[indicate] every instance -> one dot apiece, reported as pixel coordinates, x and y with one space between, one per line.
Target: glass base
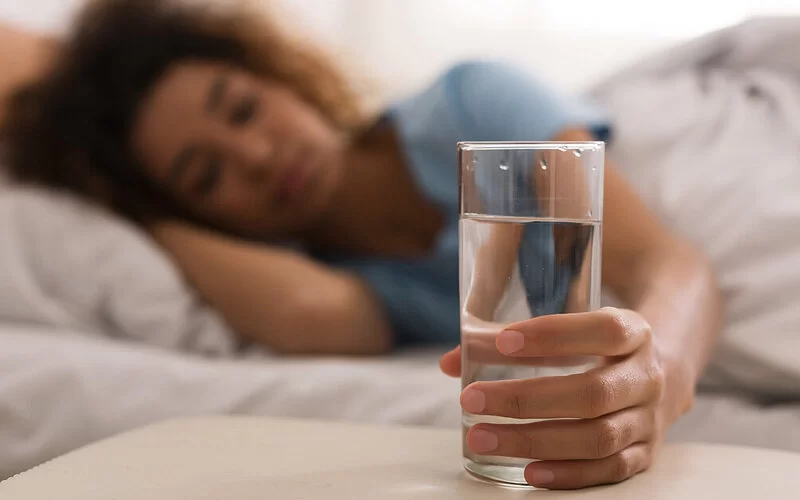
508 475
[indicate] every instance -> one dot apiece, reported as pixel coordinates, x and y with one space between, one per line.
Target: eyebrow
216 92
180 164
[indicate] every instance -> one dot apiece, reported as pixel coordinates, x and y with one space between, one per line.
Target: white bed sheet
60 390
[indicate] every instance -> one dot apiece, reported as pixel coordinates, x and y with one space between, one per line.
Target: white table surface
255 458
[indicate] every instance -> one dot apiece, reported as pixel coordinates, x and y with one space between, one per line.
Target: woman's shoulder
484 71
496 100
459 94
492 77
486 100
467 77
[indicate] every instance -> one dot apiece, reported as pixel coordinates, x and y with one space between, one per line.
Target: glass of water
530 241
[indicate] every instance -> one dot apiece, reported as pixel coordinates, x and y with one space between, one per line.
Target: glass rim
529 145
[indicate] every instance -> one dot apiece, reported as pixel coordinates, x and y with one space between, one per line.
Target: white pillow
43 16
71 265
709 134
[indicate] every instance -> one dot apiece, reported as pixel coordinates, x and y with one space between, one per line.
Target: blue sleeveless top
475 101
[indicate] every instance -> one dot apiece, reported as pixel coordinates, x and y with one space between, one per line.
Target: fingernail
509 341
481 441
540 477
473 401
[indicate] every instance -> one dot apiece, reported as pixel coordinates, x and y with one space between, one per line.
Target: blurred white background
401 43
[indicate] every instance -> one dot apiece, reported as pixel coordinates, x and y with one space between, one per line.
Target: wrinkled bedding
61 390
66 264
100 334
709 135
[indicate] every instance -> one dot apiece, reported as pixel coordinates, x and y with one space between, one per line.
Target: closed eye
244 111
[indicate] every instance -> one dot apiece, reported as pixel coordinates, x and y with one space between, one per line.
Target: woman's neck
379 209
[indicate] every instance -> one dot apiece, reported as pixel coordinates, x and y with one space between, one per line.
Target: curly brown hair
70 129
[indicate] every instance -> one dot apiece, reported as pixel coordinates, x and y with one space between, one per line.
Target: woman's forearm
277 297
665 280
680 300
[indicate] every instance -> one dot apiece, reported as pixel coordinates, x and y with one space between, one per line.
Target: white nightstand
256 458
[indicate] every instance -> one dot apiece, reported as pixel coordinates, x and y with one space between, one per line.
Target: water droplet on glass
594 168
503 166
543 163
578 152
562 148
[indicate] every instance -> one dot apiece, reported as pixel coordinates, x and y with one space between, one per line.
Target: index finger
605 332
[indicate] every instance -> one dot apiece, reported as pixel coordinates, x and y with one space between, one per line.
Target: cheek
309 126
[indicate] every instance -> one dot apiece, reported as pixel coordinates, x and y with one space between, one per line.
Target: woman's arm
24 57
277 297
661 277
666 280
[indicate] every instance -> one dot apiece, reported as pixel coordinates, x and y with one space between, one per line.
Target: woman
218 134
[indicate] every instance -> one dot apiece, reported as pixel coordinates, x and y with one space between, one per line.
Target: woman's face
241 152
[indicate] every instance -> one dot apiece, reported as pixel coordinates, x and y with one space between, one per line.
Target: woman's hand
622 408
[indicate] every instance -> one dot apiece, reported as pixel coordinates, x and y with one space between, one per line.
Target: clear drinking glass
530 239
